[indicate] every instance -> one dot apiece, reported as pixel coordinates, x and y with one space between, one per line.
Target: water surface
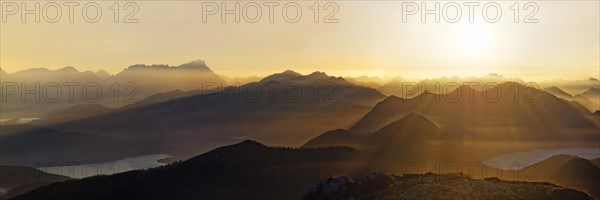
107 168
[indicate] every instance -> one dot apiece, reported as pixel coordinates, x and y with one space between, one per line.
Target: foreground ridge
435 186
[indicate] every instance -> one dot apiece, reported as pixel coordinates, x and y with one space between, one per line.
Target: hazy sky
369 39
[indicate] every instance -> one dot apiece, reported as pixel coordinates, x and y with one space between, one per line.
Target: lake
107 168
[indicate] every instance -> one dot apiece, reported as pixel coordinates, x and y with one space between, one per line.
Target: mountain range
341 126
196 122
406 88
515 120
249 168
590 99
58 89
412 139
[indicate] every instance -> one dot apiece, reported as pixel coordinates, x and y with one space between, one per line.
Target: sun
473 40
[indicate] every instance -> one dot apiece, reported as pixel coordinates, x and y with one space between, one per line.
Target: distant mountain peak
285 75
318 74
413 124
196 64
292 76
143 67
494 75
102 73
290 72
68 69
414 120
37 69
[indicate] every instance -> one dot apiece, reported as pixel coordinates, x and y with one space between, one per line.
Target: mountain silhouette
590 99
193 65
547 168
283 76
51 95
520 114
579 173
128 86
409 89
187 125
241 171
152 79
566 170
103 74
247 169
411 128
412 139
574 86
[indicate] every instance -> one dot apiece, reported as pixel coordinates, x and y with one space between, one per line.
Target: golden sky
370 38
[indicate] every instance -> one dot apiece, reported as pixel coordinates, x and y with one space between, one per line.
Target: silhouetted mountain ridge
239 171
481 116
195 122
193 65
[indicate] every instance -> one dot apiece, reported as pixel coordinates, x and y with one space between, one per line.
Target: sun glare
473 39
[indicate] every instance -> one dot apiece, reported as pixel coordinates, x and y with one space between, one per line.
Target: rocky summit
434 186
